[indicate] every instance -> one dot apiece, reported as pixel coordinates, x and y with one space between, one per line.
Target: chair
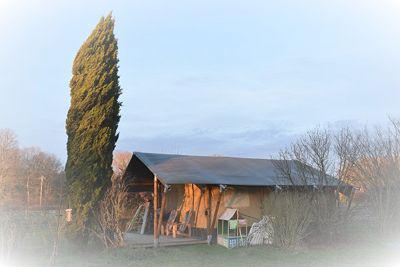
185 226
167 227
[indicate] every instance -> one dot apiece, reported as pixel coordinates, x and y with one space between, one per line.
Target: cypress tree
91 125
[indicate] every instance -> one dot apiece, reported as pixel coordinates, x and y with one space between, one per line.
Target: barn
202 188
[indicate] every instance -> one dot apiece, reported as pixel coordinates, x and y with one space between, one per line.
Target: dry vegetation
291 216
114 208
31 184
29 177
117 207
369 160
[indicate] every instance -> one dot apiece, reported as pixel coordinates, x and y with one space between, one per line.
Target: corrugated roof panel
183 169
228 214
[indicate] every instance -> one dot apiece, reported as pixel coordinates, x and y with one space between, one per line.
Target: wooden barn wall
248 200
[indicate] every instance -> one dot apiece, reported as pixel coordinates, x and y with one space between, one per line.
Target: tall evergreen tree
92 123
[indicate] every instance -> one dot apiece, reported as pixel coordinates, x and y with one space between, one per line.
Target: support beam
198 205
155 206
216 210
41 190
209 233
163 203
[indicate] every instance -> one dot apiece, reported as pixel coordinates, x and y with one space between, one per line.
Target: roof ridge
205 156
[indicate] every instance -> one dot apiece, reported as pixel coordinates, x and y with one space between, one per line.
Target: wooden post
163 202
41 190
209 233
237 222
216 210
27 196
198 206
155 206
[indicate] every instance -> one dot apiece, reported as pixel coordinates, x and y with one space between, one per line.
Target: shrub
291 214
112 211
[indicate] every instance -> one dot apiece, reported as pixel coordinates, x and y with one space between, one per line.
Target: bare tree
120 162
22 172
35 165
21 185
367 159
377 171
113 209
116 207
317 162
346 151
9 157
291 215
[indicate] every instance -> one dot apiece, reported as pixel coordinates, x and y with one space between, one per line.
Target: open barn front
189 213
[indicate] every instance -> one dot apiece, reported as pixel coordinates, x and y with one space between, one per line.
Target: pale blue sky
236 78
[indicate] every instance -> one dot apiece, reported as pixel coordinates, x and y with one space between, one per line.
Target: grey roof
183 169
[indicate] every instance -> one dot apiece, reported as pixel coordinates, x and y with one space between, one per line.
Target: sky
236 78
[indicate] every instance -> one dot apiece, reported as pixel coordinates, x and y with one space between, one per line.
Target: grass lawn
362 247
204 255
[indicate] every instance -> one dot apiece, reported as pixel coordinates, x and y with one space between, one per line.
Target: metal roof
183 169
228 214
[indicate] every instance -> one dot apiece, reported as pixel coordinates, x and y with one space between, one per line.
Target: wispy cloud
249 143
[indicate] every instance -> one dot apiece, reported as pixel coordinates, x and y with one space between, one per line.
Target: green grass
204 255
359 247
